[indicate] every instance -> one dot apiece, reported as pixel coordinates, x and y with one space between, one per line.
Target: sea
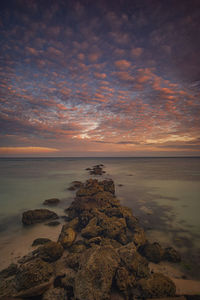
164 193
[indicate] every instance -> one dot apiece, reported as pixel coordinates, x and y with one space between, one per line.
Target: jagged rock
9 271
40 241
78 247
124 280
95 240
84 218
91 230
33 278
94 278
67 236
73 260
37 215
97 170
139 236
112 227
108 185
110 242
172 255
50 252
7 288
153 252
52 201
156 286
55 294
67 281
133 261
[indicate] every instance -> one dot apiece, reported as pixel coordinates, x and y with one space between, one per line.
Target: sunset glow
81 78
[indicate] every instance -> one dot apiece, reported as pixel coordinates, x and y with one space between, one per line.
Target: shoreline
184 286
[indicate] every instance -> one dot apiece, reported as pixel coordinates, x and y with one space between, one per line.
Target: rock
72 260
7 288
40 241
110 242
172 255
95 240
74 224
156 286
91 230
139 236
94 277
112 227
89 190
33 278
53 223
9 271
71 188
67 281
133 261
75 185
153 252
37 215
55 294
124 280
67 236
78 247
108 185
97 170
50 252
52 201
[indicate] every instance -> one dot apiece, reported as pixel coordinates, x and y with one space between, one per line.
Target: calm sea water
163 192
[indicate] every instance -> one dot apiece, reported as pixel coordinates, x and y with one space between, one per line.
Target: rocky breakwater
101 253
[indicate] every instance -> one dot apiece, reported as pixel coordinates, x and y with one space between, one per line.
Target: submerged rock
95 275
53 223
52 201
37 215
153 252
9 271
75 185
40 241
172 255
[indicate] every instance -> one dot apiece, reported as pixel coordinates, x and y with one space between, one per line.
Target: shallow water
163 193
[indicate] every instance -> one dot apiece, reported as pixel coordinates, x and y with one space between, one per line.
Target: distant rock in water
52 201
40 241
75 185
37 215
96 170
53 223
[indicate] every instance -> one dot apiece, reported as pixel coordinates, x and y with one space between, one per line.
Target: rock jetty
101 253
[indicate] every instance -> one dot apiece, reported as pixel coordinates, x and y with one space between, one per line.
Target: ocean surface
164 193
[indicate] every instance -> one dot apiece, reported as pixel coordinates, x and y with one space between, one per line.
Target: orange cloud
26 150
100 75
122 64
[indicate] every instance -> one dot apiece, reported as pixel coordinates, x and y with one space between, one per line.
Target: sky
100 78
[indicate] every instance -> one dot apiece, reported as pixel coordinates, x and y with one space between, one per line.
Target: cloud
100 75
136 52
26 150
122 64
